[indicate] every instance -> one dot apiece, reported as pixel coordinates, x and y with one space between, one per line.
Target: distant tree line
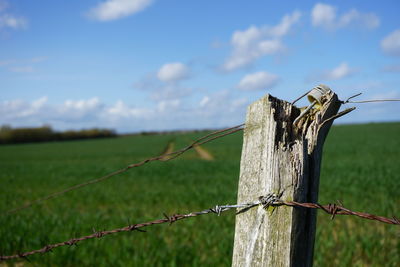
10 135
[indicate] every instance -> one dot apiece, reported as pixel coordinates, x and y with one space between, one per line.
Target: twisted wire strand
265 201
335 209
166 157
375 100
368 101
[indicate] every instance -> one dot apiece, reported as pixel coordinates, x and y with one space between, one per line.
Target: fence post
280 158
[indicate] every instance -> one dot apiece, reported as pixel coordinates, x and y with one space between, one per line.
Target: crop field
361 168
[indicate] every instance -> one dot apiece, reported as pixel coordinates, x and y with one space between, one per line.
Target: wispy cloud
391 43
256 42
324 16
116 9
170 92
10 21
340 72
13 22
21 65
261 80
166 83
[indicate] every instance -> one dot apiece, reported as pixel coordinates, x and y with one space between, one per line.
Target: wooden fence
283 158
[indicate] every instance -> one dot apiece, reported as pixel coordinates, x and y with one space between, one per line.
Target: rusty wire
335 209
265 201
166 157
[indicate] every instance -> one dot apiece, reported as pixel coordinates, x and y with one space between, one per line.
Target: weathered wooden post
279 157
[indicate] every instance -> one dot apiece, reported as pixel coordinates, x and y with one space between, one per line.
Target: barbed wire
165 157
266 201
368 101
335 209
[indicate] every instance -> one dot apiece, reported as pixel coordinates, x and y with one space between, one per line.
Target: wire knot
269 200
217 209
71 242
171 219
47 248
98 234
134 227
333 210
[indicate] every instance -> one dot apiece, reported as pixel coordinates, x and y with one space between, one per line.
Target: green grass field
361 167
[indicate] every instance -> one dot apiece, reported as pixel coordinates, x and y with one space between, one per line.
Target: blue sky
136 65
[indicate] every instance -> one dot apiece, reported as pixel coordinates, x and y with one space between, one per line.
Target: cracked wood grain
282 159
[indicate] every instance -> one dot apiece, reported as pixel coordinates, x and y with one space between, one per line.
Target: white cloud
77 110
283 28
116 9
204 101
39 103
17 109
13 22
391 43
160 90
168 92
337 73
81 105
324 15
173 72
255 42
168 105
220 110
164 86
8 20
70 114
122 110
366 20
340 72
261 80
12 109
